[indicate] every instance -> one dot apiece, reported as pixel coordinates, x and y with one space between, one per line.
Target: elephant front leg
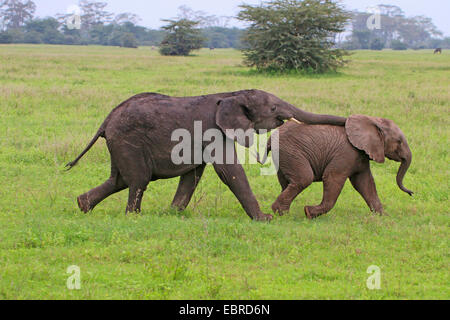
365 184
234 177
186 188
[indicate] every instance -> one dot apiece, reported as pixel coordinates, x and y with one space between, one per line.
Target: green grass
52 101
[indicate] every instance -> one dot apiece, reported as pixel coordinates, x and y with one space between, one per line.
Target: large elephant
139 131
332 154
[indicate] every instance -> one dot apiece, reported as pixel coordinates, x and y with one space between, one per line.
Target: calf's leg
364 183
332 187
293 183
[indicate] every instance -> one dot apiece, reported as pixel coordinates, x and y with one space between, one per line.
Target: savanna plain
54 98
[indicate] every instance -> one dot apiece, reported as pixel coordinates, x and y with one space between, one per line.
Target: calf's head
380 138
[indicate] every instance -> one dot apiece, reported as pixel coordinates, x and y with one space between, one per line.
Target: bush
293 35
419 46
398 45
349 45
129 41
6 37
33 37
182 37
377 44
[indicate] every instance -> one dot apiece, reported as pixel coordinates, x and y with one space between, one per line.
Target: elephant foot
178 208
277 208
83 203
263 217
310 215
379 211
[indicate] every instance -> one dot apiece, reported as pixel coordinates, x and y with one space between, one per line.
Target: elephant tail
100 133
266 154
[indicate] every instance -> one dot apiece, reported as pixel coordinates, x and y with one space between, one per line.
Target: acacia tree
15 13
94 13
292 34
127 17
182 36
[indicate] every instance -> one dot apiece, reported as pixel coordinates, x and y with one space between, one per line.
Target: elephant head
380 138
259 110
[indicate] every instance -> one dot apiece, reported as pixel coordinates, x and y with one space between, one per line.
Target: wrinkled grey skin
332 154
138 135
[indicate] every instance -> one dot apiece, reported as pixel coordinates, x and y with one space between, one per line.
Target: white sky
152 11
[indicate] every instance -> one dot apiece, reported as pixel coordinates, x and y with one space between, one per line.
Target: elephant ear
365 134
232 117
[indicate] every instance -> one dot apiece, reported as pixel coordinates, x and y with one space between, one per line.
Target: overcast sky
152 11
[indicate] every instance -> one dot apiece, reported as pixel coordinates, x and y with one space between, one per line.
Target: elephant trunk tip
400 185
411 193
401 174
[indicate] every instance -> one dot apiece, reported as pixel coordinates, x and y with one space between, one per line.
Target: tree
182 37
201 17
16 12
218 37
361 38
100 34
129 41
127 17
293 35
415 32
94 13
43 30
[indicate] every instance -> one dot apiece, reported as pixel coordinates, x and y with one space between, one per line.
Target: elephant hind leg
137 185
135 199
332 187
88 201
135 171
293 185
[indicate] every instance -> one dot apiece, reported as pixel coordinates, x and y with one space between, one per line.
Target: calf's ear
232 117
365 134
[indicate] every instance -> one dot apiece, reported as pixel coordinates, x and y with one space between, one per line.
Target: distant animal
139 136
211 48
312 153
438 50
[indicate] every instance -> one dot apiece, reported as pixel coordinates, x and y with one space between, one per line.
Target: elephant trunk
311 118
406 162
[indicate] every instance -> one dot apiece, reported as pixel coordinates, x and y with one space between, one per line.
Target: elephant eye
274 108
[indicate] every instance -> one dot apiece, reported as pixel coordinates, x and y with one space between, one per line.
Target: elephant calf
311 153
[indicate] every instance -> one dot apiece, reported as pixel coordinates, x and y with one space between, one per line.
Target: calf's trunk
401 173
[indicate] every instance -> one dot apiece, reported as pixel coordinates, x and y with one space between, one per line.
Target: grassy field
52 101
